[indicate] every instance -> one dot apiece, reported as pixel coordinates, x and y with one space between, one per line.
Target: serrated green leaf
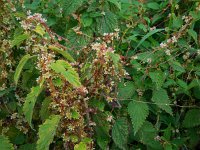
40 30
117 3
161 99
147 134
107 23
126 90
47 132
44 111
62 52
80 146
20 67
102 129
78 41
30 103
70 6
120 132
138 112
192 118
193 34
158 78
65 69
150 33
153 5
27 147
5 143
177 66
19 39
115 58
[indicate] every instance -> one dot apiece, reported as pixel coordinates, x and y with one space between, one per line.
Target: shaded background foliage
157 104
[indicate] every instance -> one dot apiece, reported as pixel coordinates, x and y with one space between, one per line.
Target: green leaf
107 23
147 134
62 52
193 34
44 112
117 3
153 5
19 39
192 118
120 132
27 147
138 112
161 99
40 30
80 146
115 58
70 6
158 78
30 103
86 20
102 129
70 74
47 131
150 33
126 90
177 66
20 67
5 143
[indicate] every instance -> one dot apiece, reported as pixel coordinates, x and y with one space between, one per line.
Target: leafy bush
99 74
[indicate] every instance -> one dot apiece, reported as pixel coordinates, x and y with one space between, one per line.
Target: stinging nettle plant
99 74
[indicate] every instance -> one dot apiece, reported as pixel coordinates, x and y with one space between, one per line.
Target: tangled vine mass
99 74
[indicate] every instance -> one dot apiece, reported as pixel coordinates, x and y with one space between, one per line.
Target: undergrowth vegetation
99 74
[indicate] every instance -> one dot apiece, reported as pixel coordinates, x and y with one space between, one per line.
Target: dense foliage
99 74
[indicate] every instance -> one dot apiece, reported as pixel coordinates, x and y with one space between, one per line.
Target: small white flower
163 45
153 28
109 118
174 40
198 52
103 13
28 12
149 60
13 9
167 52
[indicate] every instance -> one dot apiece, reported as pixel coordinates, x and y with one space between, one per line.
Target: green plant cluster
99 74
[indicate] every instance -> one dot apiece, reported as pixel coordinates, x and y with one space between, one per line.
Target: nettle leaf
79 40
126 90
40 30
147 134
138 112
65 69
44 112
47 132
107 23
5 143
65 54
19 39
153 5
80 146
117 3
177 66
120 132
115 58
192 118
30 103
161 99
102 129
70 6
157 77
20 67
193 34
